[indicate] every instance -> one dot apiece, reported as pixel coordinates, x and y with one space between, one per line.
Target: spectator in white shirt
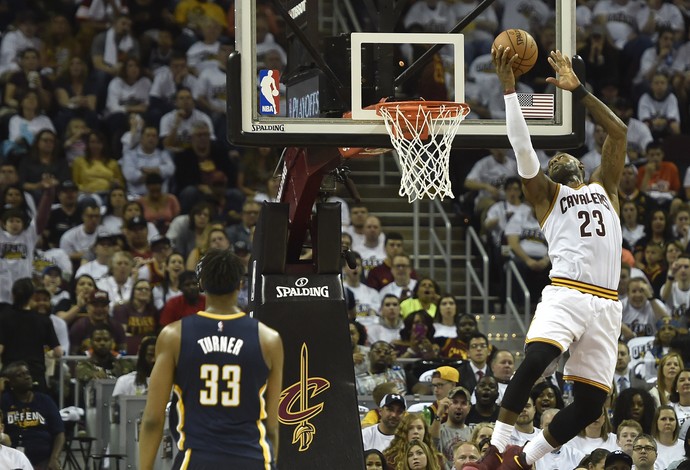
166 81
210 91
596 435
358 216
389 323
642 310
11 458
108 49
391 409
403 284
639 135
119 283
488 176
372 248
434 16
366 298
144 160
627 431
77 241
676 289
659 108
103 249
524 426
15 41
665 430
202 54
128 93
644 452
176 126
137 381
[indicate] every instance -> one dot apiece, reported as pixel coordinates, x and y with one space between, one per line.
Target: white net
423 139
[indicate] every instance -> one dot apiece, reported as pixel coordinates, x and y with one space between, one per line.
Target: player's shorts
587 325
196 460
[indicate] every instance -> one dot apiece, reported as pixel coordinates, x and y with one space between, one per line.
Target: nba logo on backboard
269 92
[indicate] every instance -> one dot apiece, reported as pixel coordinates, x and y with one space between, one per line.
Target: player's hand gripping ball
521 43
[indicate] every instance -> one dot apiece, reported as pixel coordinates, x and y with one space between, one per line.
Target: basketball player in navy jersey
579 311
225 370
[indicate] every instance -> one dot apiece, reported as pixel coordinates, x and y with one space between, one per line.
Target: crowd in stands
116 177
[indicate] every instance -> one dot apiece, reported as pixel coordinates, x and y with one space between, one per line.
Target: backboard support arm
303 172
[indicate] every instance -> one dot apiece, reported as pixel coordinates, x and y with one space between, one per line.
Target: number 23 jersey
583 232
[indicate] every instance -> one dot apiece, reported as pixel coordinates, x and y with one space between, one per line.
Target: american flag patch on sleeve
536 105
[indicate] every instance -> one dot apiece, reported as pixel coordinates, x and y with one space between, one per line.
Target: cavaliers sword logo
294 408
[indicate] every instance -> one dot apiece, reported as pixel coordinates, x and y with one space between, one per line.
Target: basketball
522 43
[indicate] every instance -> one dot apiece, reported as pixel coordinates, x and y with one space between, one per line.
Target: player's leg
587 405
538 356
590 367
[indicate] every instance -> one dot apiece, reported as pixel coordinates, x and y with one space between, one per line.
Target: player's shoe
491 460
514 459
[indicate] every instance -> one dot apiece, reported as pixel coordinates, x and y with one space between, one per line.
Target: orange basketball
522 43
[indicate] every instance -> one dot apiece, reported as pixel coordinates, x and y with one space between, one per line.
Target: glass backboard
307 73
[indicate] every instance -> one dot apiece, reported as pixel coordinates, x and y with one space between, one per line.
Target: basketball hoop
422 133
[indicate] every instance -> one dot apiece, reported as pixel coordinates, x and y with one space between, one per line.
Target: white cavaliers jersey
585 241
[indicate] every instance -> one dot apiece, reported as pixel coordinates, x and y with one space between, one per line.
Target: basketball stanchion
422 133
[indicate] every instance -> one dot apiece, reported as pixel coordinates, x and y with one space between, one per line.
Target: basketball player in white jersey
580 310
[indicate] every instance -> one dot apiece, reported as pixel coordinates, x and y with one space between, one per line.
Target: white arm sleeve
518 134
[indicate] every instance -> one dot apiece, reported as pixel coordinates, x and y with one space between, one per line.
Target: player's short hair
645 436
101 326
512 180
220 272
22 291
10 369
186 276
394 236
655 144
382 389
29 50
496 353
182 89
15 213
463 316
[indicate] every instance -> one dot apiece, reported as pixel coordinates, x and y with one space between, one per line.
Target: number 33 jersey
220 382
584 235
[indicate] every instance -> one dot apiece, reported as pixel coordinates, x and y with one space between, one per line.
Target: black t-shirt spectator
59 222
473 417
33 425
24 335
188 170
20 80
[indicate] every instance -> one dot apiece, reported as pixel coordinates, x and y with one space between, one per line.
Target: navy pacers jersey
218 394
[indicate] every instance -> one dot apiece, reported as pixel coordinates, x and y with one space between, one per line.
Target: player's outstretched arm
160 385
272 349
538 187
613 150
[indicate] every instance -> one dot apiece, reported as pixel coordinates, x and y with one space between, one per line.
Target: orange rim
411 108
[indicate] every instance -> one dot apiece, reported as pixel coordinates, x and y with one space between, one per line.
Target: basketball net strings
424 163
